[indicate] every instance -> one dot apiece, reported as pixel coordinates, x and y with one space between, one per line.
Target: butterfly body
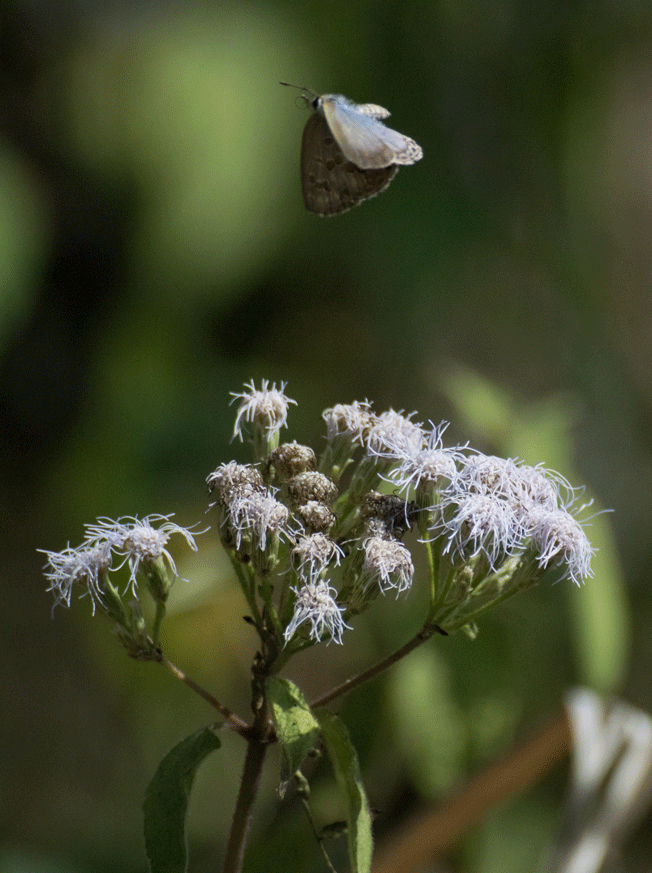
348 155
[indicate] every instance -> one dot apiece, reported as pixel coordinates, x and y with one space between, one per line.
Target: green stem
433 570
472 616
436 607
158 620
247 583
267 594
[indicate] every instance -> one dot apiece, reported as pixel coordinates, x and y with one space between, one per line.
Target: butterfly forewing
363 138
357 135
332 184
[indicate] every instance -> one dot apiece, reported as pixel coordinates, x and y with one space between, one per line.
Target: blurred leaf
430 729
189 108
296 726
347 772
166 802
21 240
602 615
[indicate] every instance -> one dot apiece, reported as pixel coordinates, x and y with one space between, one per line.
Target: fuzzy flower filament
266 412
144 548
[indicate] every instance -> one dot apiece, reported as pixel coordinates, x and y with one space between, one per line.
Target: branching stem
424 634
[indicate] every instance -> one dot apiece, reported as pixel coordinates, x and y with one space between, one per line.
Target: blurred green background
155 254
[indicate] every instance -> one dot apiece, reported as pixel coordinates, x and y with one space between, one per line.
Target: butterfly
347 154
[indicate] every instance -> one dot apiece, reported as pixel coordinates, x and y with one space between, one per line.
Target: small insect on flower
347 154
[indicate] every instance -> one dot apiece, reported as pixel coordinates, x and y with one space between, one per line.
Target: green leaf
296 727
166 802
347 771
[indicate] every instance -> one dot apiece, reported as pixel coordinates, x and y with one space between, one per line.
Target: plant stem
424 634
253 765
233 721
158 620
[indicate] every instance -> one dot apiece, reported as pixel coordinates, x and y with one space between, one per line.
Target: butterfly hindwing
330 182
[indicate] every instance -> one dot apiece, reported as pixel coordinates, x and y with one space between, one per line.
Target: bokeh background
155 255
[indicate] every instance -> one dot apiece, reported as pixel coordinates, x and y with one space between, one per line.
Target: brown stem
253 765
424 634
233 721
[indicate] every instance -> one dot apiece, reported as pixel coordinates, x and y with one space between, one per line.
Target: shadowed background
155 254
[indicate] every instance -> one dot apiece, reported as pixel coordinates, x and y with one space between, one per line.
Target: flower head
259 514
426 467
314 553
266 409
290 459
392 434
388 564
234 479
141 544
352 420
483 524
315 604
84 566
559 539
522 486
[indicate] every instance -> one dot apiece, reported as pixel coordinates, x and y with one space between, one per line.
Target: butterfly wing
363 138
373 110
330 183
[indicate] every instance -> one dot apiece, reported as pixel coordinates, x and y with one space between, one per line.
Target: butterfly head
312 100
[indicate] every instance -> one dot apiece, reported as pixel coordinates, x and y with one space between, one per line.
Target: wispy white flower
232 479
392 435
82 566
426 466
352 420
267 408
258 514
314 553
522 486
538 487
139 541
482 523
315 604
388 564
560 539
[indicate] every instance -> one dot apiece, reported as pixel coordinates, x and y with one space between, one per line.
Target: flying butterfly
347 154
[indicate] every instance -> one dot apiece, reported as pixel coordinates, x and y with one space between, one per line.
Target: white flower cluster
108 546
480 509
490 526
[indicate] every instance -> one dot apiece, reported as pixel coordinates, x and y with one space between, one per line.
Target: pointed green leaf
166 802
347 771
296 727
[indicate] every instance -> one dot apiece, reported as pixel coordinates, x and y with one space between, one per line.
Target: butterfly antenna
300 88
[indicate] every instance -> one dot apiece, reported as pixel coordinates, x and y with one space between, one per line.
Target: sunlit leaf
296 726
